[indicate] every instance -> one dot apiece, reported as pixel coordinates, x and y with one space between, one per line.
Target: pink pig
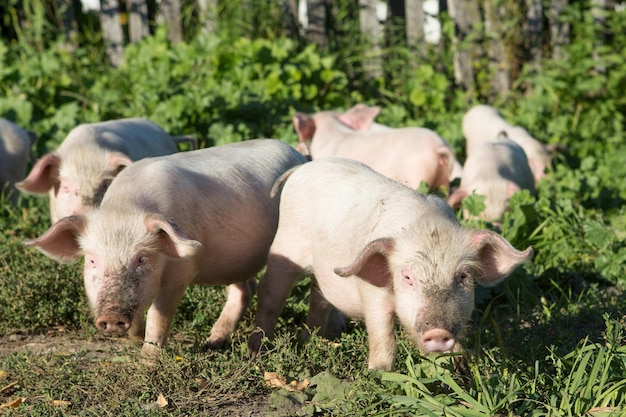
495 169
483 123
408 155
379 251
79 172
15 144
198 217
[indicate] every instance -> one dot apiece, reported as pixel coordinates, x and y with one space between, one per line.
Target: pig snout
437 340
113 323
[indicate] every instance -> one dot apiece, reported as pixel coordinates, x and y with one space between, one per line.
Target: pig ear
43 176
445 158
60 242
497 256
359 117
305 126
176 243
118 161
457 197
371 265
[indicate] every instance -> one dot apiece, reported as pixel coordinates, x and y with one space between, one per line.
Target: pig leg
161 312
319 308
160 316
322 315
379 323
137 331
237 300
273 291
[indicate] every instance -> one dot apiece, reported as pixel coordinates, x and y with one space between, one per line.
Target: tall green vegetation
546 342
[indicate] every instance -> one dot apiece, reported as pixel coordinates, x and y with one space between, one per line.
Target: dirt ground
58 341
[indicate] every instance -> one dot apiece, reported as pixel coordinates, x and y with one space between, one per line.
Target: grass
562 355
547 342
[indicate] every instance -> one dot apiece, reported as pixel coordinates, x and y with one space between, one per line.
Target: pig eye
408 278
461 277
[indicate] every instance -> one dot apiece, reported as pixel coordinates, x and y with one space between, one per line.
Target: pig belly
343 293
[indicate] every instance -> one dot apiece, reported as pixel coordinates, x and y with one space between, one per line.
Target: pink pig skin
408 155
483 123
15 144
198 217
379 251
496 169
78 173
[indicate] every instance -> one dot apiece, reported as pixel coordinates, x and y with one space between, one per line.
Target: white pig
15 144
198 217
483 123
78 173
378 251
408 155
496 169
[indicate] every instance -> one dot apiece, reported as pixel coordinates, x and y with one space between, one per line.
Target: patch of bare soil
97 347
57 341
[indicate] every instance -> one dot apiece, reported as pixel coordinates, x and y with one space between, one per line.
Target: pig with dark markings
198 217
496 169
408 155
378 251
15 145
78 173
483 123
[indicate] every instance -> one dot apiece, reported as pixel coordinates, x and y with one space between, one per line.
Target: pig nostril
113 323
438 340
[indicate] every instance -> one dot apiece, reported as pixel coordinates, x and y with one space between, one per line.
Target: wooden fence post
465 15
137 20
112 31
372 31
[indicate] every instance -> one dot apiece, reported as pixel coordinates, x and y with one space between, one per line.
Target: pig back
341 197
134 137
218 196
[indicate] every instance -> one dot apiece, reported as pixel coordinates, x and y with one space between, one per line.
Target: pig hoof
150 350
255 342
216 343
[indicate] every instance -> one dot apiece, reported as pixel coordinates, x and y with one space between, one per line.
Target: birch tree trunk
69 24
559 31
465 15
372 32
414 11
290 17
499 65
112 31
169 14
316 30
138 26
598 11
534 32
208 12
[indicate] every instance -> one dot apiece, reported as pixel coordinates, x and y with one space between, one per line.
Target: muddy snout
437 340
113 323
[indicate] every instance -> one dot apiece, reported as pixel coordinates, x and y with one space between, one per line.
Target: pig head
199 217
123 265
483 123
378 252
496 169
78 173
408 155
